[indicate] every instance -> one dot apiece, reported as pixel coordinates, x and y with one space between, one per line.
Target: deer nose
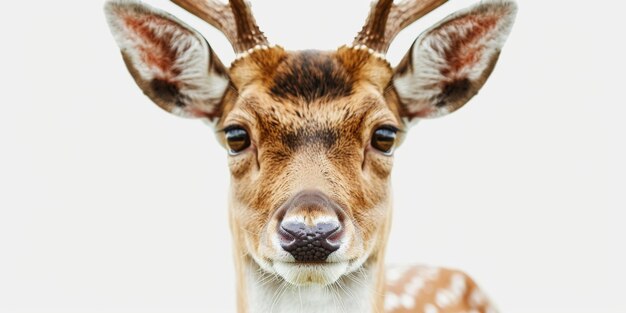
310 244
310 226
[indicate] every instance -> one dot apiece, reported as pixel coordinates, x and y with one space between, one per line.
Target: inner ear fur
451 61
172 63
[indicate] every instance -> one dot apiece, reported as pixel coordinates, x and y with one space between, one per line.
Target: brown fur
302 138
311 75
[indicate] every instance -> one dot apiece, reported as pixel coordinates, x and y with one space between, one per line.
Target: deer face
310 135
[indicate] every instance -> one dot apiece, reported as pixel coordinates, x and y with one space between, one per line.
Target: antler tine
234 20
387 19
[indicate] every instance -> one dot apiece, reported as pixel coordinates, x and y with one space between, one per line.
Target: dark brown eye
384 139
237 139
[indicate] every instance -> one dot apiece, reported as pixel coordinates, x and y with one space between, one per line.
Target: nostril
335 235
287 234
326 229
310 243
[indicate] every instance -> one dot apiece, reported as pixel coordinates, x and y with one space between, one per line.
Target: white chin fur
311 274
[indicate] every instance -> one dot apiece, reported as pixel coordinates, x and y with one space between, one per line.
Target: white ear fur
449 63
171 62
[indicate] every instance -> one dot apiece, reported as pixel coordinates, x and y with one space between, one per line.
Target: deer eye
384 139
237 139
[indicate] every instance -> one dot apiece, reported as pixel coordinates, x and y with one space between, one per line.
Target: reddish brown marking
463 50
156 50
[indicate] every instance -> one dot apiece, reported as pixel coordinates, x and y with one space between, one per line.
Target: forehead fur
310 75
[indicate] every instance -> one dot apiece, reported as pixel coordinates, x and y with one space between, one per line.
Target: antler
235 20
386 20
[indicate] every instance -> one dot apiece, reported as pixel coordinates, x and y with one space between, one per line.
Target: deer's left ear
450 62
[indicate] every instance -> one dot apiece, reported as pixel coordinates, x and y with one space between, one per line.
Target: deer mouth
311 273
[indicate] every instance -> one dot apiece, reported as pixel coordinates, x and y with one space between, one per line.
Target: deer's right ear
171 63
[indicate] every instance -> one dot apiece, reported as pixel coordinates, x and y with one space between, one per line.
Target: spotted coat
424 289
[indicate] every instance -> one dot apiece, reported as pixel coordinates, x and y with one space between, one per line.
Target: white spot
391 301
407 301
458 285
429 273
452 295
414 286
395 273
444 298
477 298
429 308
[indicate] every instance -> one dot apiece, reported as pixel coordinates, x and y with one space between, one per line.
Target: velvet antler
387 19
234 19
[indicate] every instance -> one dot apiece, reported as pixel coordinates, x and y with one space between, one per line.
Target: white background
108 204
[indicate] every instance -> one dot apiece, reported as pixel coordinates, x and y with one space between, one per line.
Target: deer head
310 134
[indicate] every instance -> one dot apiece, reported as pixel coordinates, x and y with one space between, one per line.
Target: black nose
309 244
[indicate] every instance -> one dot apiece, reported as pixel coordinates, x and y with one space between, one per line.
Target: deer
310 137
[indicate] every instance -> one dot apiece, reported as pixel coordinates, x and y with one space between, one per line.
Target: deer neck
358 292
